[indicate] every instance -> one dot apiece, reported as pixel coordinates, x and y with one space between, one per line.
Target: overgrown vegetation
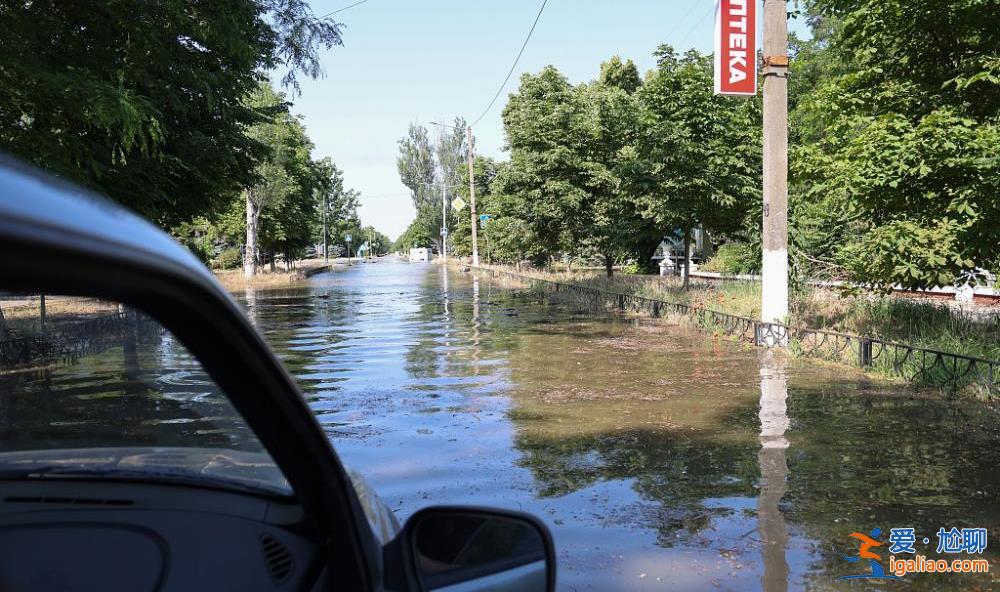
922 323
895 131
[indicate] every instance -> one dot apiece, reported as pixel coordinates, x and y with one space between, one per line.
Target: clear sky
409 61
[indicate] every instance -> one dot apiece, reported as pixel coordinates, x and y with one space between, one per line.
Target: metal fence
68 341
920 365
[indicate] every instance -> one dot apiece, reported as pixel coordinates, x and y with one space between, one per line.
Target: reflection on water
773 470
660 458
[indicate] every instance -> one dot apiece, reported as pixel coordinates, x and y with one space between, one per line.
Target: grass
233 280
922 323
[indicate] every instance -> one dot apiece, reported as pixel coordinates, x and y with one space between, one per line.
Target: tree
415 235
696 161
145 101
904 139
545 184
416 167
284 178
426 168
484 173
341 203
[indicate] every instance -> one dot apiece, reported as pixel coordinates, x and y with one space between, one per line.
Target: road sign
444 231
348 237
484 218
736 47
458 203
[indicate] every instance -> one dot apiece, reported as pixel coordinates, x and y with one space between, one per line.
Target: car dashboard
80 535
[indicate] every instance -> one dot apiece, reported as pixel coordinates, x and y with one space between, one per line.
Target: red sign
736 47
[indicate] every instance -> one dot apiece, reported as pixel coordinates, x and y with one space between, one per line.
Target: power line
711 10
681 20
343 9
514 65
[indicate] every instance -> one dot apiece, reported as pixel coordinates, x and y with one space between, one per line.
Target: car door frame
57 238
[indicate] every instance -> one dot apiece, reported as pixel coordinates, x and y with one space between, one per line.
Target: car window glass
93 386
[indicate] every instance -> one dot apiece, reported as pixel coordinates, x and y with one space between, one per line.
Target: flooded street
660 458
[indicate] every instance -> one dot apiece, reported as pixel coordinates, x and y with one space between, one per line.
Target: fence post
865 352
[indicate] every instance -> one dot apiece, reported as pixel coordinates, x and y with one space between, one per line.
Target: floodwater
661 458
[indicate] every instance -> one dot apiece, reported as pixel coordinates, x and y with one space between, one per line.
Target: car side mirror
470 549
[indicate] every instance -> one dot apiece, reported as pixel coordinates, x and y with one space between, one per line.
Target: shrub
230 258
733 258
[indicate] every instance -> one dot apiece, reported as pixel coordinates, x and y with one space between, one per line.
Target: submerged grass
922 323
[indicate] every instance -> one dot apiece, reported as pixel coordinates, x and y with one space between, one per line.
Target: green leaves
144 101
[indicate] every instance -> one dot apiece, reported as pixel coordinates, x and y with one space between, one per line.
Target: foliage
430 168
146 101
900 169
734 258
229 258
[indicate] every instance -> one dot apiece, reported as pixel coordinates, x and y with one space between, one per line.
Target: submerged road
661 458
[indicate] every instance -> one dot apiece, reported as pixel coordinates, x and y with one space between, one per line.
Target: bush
733 258
230 258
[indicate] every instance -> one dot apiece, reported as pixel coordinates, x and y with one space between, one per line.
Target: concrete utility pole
326 257
472 199
444 219
774 272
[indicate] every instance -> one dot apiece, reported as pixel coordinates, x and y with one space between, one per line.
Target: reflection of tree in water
677 471
878 459
864 455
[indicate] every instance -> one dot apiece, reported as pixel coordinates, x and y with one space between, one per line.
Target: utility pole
444 219
774 272
472 199
326 257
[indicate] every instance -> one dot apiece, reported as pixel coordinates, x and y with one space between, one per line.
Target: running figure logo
867 542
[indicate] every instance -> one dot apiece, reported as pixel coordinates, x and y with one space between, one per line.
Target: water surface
661 458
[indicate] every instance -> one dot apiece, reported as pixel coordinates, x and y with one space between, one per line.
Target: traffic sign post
348 238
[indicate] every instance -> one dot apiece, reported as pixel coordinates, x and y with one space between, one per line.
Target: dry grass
233 280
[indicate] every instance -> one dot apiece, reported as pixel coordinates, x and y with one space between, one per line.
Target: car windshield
90 387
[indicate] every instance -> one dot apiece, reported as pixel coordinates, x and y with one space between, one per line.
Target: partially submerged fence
69 341
917 364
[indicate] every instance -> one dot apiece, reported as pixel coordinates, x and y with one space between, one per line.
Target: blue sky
409 61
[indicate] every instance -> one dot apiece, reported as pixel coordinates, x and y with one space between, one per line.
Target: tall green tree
433 172
145 101
697 160
418 172
906 137
341 204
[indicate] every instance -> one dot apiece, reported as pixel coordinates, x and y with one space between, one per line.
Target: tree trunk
250 254
687 257
608 266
